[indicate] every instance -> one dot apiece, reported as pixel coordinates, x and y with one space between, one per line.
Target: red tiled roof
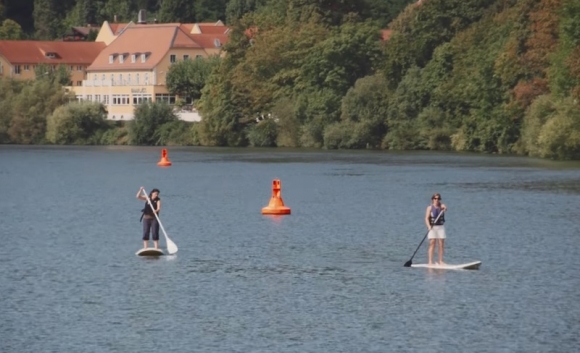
155 39
212 29
35 52
209 40
117 27
386 34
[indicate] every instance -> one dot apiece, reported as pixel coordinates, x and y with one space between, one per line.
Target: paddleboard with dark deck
149 252
467 266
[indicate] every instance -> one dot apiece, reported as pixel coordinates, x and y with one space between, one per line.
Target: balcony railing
109 83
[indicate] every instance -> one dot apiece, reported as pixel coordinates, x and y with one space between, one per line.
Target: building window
121 79
165 98
186 57
79 68
17 69
146 78
103 77
143 58
89 97
141 98
129 79
79 98
137 79
120 99
217 43
70 68
172 58
106 100
26 68
97 98
95 77
199 56
121 58
133 58
112 79
79 83
111 60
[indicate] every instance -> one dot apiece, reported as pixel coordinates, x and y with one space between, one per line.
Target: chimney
141 17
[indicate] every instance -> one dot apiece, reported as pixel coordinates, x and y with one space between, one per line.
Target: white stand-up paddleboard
468 266
149 252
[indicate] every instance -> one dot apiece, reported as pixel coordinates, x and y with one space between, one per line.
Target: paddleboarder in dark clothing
150 223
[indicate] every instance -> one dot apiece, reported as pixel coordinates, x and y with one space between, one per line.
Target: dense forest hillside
494 76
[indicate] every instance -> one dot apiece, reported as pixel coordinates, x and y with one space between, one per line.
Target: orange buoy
276 205
164 162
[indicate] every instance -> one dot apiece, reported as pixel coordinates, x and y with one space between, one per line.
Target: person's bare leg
441 251
431 251
145 243
156 242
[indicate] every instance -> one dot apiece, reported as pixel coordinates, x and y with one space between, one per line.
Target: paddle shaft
410 262
155 214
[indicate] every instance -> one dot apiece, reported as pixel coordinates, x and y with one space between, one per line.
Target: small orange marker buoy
276 205
164 162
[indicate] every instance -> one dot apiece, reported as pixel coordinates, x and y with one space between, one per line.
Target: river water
327 278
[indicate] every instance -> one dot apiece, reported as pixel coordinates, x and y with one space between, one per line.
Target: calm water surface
328 278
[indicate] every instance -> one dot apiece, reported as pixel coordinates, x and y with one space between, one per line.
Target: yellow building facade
133 67
19 58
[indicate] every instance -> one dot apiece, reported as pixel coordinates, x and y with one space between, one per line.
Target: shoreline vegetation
487 76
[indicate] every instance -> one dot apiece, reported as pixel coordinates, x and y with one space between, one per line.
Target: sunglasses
436 198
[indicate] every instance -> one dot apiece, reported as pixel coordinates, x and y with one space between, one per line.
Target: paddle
171 247
410 262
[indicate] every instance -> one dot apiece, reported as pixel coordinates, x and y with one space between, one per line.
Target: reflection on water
328 278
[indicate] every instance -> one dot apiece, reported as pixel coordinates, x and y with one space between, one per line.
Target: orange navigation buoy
164 162
276 205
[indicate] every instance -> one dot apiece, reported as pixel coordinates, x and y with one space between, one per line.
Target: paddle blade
408 263
171 247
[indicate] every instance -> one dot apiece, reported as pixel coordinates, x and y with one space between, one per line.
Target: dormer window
217 43
112 58
145 56
133 58
121 58
51 55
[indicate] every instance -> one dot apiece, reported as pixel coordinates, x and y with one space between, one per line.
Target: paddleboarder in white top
435 220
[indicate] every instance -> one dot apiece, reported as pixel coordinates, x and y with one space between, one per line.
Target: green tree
149 117
222 123
87 10
35 102
236 9
60 75
187 78
210 10
77 123
46 20
177 11
11 30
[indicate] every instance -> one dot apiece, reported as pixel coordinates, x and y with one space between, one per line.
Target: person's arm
443 207
139 195
158 206
427 215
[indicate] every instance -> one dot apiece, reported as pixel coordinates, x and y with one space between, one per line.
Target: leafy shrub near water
263 134
178 133
77 123
551 128
149 117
